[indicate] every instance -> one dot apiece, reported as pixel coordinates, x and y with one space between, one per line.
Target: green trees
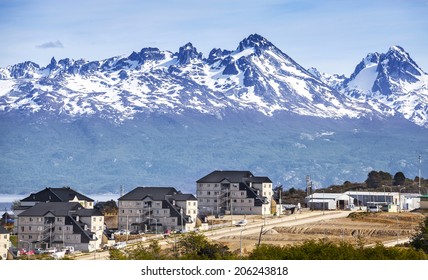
190 246
321 250
420 239
194 246
375 179
399 179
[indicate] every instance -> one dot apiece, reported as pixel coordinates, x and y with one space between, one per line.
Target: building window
208 193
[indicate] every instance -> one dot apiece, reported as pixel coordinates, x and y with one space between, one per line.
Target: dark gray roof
56 195
252 193
259 179
85 236
233 176
56 208
156 193
88 212
183 197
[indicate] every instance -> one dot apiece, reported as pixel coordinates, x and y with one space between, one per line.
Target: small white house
328 201
4 243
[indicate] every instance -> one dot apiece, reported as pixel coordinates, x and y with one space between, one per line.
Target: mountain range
155 117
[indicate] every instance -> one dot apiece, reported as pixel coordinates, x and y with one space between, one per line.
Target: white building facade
234 192
4 243
60 224
157 209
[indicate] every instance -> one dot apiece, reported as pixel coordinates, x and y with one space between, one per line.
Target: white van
373 208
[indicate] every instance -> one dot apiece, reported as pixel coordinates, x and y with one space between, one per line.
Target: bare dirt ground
358 228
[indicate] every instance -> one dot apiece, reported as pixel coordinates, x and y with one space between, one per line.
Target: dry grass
368 228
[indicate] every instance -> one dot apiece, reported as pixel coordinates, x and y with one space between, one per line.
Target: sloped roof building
234 192
157 209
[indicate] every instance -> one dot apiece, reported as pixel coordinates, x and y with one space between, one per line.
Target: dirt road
358 228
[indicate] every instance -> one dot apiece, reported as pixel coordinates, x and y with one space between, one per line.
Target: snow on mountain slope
256 76
392 83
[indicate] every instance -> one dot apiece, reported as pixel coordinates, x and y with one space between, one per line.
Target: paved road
253 226
291 220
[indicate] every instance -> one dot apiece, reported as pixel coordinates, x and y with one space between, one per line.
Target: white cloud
51 45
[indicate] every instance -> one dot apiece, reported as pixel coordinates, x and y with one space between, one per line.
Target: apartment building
157 209
4 243
60 224
234 192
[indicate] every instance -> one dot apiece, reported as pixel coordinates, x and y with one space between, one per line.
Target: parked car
119 245
241 223
68 249
373 208
122 232
23 252
39 251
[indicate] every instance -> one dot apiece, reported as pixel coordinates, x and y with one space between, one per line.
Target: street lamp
398 230
240 242
29 244
181 214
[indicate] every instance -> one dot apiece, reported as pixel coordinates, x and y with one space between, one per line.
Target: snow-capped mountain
167 118
255 76
392 83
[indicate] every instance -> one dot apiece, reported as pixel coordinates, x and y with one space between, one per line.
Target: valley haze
163 118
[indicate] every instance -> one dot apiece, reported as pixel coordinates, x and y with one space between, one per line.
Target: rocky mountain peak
187 53
254 41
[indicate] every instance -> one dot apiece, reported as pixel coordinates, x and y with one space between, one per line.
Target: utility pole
127 227
231 213
420 174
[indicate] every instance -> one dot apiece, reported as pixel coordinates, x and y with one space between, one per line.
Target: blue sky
330 35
